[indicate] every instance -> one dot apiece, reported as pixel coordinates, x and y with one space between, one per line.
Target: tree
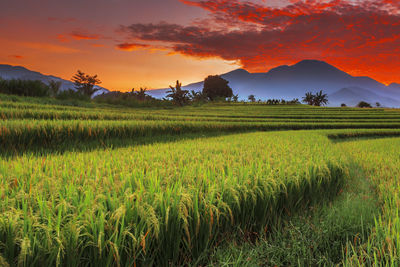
320 99
343 105
364 104
378 104
235 98
140 94
197 96
54 87
85 83
216 87
179 96
308 98
251 98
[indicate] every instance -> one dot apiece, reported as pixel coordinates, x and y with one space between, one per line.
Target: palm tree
179 96
308 98
320 99
140 94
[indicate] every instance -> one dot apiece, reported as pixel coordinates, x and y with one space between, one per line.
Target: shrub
71 94
364 104
24 88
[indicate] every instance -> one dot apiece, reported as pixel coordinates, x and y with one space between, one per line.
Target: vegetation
85 83
24 88
319 99
364 104
178 95
216 87
217 184
252 98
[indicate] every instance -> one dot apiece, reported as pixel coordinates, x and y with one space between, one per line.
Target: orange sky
153 43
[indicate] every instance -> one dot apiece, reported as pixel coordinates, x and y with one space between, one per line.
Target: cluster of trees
318 99
215 88
294 101
29 88
84 87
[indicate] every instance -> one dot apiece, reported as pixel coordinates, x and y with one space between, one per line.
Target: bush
130 99
364 104
24 88
72 95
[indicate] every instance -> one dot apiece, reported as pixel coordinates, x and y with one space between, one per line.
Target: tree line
215 88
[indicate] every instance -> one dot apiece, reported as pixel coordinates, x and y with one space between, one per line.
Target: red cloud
16 56
131 46
84 36
361 37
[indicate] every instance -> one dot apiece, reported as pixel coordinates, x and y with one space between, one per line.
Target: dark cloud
363 37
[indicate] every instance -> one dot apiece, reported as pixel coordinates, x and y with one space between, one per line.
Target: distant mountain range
9 72
294 81
285 82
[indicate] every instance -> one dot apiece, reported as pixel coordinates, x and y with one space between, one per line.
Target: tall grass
158 204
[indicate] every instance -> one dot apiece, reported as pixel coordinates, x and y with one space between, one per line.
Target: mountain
294 81
351 96
9 72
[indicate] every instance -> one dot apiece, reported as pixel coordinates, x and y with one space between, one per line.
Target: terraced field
112 186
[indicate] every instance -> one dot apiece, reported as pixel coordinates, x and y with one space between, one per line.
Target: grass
218 184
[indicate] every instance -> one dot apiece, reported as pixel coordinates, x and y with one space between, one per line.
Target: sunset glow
135 44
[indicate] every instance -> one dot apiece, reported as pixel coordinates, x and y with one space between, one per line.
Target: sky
152 43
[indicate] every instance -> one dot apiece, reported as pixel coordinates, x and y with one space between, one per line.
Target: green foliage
158 186
363 104
54 87
216 87
71 94
24 88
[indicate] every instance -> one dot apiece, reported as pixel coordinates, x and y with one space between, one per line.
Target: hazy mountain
294 81
9 72
353 95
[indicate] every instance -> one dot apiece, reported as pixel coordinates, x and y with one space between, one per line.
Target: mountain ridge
8 72
293 81
285 81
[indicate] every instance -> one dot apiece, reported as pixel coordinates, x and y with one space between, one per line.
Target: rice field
112 186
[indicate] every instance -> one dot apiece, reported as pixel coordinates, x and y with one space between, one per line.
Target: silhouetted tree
308 98
54 87
363 104
294 101
320 99
235 98
179 96
251 98
343 105
197 96
85 83
140 94
378 104
216 87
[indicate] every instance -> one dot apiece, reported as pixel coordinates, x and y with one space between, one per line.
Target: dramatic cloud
362 37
